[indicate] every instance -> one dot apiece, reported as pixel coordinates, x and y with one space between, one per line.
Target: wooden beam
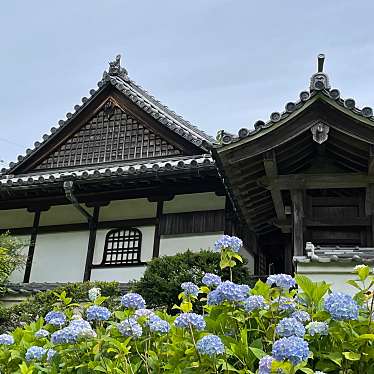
297 197
91 243
157 235
30 255
270 165
316 181
82 226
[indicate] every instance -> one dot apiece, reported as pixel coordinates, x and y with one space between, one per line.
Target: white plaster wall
173 244
335 274
62 214
60 257
148 233
251 261
17 275
16 218
128 209
194 202
121 274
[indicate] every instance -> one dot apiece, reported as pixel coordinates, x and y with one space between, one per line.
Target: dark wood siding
193 222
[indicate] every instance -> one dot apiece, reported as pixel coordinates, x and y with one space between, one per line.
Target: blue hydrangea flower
341 306
211 280
265 365
254 302
73 332
133 301
94 293
144 313
98 313
301 316
284 281
210 345
6 339
190 289
228 242
233 292
215 298
185 320
50 354
285 304
130 327
55 318
35 353
157 324
41 333
294 349
318 328
290 326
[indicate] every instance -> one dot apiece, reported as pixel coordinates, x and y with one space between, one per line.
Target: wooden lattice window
122 247
103 139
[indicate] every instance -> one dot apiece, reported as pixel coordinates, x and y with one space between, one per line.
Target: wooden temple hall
124 179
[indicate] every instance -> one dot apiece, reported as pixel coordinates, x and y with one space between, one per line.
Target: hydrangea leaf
352 356
259 353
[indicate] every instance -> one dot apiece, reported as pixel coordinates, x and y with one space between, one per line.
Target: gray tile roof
118 78
318 89
33 288
331 254
133 169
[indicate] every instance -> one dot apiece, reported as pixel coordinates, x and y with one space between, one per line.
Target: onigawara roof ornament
320 81
116 70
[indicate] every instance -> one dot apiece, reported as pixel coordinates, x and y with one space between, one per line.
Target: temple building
124 179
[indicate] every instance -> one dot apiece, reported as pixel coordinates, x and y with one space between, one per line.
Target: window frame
136 231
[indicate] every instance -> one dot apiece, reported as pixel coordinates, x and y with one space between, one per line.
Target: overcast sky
221 64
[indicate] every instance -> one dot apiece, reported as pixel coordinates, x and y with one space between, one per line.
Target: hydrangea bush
285 325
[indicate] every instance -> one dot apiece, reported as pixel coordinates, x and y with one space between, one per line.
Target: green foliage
247 336
11 257
160 284
38 305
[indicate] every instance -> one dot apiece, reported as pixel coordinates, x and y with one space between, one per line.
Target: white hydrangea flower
94 293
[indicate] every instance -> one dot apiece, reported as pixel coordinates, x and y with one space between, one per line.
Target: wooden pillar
91 243
30 255
297 197
229 216
369 198
157 236
288 268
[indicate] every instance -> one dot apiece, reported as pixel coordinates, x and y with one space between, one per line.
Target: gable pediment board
129 97
319 112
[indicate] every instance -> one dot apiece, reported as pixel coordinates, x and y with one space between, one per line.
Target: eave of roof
139 168
307 98
327 254
141 98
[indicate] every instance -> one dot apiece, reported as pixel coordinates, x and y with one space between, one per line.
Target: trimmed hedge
39 304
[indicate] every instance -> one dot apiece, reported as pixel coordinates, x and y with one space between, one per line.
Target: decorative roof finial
116 70
320 80
321 61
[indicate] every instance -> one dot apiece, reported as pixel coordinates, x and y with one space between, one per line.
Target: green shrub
160 284
11 257
39 304
239 330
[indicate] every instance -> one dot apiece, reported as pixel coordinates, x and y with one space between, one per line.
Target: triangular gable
112 135
119 122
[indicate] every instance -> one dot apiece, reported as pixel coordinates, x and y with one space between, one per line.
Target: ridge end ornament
116 70
320 132
320 80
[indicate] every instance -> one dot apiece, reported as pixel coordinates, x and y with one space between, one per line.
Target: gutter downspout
69 187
